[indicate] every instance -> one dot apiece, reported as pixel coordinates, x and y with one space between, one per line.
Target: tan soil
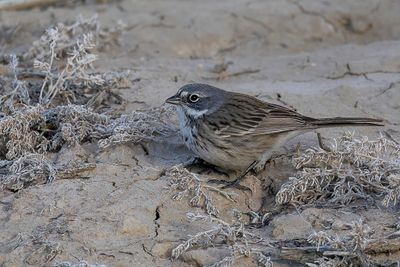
324 58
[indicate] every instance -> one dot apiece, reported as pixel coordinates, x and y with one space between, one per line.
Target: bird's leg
268 157
192 162
256 165
236 183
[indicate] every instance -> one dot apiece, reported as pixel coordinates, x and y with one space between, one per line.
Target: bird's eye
193 98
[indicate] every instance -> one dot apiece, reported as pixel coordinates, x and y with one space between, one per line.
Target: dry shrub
352 169
64 58
331 262
28 134
73 74
20 133
34 168
68 34
344 249
44 252
68 78
26 170
235 236
37 130
81 263
56 107
74 124
139 126
14 92
39 244
189 185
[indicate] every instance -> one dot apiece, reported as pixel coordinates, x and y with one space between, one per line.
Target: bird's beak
175 100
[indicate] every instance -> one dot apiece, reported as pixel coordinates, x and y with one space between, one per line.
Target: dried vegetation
352 170
57 99
240 241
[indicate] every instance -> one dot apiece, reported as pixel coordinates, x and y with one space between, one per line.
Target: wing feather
245 115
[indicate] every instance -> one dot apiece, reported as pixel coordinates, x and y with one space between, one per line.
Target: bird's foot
236 182
269 158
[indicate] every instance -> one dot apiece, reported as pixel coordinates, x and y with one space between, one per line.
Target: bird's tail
339 122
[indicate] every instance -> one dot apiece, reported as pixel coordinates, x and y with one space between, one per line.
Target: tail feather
339 121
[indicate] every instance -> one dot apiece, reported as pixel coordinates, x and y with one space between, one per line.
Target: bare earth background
323 58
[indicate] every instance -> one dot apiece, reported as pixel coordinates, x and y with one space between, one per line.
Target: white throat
195 114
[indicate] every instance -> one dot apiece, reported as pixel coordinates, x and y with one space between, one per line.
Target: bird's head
198 99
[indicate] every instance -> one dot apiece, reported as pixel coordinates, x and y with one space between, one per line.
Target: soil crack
352 73
156 223
148 252
316 14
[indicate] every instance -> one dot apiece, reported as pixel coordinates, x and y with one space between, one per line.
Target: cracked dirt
323 58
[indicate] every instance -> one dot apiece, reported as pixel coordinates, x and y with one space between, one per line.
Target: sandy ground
323 58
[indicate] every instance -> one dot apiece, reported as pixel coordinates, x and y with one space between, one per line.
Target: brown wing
245 115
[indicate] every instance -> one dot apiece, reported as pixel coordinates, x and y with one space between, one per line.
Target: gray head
198 99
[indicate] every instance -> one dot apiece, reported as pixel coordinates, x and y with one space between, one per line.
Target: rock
205 257
288 227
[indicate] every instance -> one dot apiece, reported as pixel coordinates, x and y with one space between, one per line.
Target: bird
239 132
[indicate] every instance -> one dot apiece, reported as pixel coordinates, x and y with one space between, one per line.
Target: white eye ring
193 98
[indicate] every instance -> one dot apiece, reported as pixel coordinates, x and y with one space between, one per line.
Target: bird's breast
212 147
188 129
